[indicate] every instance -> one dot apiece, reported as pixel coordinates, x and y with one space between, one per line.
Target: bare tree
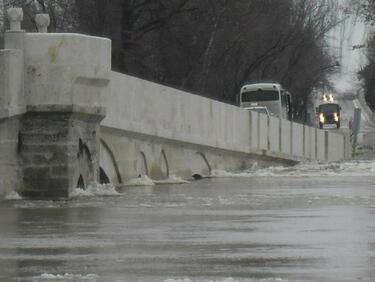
209 47
62 13
2 23
366 9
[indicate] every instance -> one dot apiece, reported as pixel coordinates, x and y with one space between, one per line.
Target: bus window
260 95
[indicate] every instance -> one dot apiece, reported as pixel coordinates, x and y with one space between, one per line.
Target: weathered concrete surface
12 101
66 69
12 105
56 88
50 106
10 166
59 147
136 105
125 155
158 126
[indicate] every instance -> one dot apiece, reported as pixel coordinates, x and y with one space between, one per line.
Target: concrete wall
12 106
55 87
145 119
274 134
12 101
144 107
50 109
286 137
10 169
66 69
321 145
297 140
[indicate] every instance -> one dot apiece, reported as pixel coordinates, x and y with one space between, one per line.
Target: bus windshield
260 95
329 108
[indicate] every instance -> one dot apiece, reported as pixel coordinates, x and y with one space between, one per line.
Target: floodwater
308 223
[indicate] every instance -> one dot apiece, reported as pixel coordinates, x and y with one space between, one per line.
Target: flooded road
313 222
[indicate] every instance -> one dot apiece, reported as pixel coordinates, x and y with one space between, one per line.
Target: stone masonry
58 147
50 109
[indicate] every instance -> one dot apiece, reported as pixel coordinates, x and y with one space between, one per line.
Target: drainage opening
197 176
80 183
103 177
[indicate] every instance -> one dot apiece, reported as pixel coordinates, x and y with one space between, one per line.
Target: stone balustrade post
14 36
42 22
50 138
15 17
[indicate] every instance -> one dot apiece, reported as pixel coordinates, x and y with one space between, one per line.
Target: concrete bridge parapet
50 108
67 120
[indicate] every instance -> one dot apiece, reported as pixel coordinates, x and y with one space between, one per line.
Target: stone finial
15 16
42 22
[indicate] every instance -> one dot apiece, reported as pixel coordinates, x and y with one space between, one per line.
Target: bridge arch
144 166
83 168
164 166
199 165
108 164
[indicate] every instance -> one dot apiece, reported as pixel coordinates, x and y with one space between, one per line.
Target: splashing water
172 179
352 168
144 180
12 196
230 279
95 189
66 277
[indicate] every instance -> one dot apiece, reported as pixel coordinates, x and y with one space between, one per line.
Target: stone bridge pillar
65 78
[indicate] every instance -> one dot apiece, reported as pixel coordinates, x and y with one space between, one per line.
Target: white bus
271 95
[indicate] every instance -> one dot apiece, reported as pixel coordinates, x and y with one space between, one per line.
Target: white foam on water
189 280
223 173
351 168
230 279
66 277
12 196
95 189
144 180
172 179
178 280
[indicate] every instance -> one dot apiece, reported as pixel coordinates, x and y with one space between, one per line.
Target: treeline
366 9
209 47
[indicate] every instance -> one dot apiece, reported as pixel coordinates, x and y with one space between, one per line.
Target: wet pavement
310 223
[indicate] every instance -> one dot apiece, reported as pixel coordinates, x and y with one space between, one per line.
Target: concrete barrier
298 140
254 134
163 114
147 108
274 135
263 132
12 106
12 100
53 137
286 137
321 145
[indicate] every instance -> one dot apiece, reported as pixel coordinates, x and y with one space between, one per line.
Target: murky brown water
271 228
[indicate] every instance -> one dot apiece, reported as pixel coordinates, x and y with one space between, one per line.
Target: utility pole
355 129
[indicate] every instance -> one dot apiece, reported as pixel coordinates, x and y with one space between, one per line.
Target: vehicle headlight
336 117
321 117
